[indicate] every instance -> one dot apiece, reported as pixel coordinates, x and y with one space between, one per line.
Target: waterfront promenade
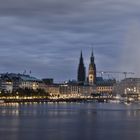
46 99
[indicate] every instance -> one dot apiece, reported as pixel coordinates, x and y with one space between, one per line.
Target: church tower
81 77
92 70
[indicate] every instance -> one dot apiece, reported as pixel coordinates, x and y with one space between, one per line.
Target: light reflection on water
68 121
64 108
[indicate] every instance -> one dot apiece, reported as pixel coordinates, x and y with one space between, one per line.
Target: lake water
70 121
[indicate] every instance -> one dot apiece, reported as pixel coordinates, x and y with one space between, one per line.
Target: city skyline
47 36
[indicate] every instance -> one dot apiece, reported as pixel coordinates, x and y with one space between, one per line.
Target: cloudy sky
46 36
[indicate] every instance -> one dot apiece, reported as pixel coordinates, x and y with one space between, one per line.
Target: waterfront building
70 90
52 89
76 90
81 76
29 82
6 85
14 81
105 86
87 90
48 81
128 87
92 70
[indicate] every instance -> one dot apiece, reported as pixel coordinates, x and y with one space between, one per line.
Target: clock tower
92 71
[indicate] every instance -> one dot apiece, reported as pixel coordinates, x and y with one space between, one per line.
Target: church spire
81 70
92 54
92 57
81 57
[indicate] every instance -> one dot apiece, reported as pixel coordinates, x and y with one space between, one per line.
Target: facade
129 87
29 82
70 90
81 77
6 85
48 81
105 86
10 82
92 71
52 89
76 89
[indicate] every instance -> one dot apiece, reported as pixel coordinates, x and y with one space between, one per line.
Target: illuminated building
70 90
105 86
129 87
11 82
6 85
77 90
29 82
52 89
92 71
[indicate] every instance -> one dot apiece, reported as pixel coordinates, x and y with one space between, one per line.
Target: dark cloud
46 36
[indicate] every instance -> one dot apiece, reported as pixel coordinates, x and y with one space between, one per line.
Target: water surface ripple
69 121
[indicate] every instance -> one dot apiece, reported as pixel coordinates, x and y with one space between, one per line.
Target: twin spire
81 77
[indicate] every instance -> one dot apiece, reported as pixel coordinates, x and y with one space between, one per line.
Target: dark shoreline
47 100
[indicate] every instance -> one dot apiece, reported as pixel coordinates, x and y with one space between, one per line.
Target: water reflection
69 121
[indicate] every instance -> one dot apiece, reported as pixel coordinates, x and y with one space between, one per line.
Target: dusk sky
46 36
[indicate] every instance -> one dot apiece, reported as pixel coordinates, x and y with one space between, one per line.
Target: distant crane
115 72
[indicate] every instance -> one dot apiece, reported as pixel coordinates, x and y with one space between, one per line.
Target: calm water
71 121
